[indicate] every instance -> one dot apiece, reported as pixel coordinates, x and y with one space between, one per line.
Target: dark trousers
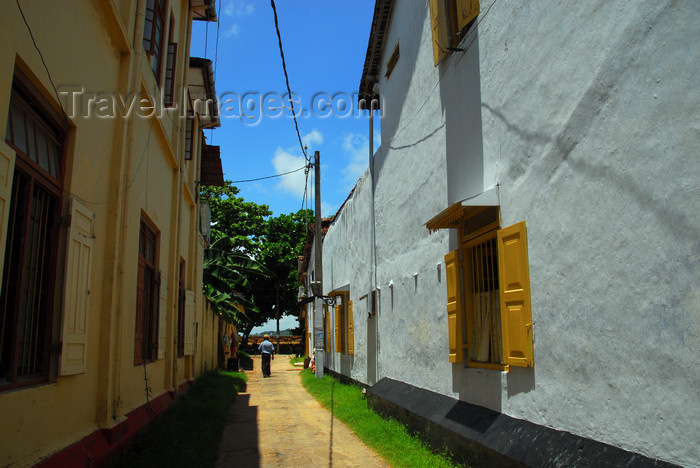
266 364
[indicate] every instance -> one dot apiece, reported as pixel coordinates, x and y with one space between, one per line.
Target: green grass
388 438
294 360
188 433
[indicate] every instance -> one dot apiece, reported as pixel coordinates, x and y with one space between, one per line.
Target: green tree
282 243
242 221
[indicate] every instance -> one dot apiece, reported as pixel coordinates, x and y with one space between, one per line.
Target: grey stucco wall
585 116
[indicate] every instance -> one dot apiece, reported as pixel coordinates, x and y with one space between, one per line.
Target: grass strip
388 438
188 433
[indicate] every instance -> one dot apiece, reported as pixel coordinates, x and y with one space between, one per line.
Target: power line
41 56
268 177
286 77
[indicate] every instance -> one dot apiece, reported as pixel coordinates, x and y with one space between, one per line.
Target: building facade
103 319
519 263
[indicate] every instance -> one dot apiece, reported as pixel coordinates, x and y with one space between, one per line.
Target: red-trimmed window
28 298
146 334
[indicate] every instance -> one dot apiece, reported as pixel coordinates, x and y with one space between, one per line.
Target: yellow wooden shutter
162 315
351 332
327 322
467 10
338 311
76 300
189 323
514 281
7 171
454 305
438 24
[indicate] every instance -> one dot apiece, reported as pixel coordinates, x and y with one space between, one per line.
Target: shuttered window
147 296
189 323
76 305
449 20
181 304
30 196
351 331
488 295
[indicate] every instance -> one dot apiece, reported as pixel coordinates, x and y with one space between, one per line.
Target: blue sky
324 44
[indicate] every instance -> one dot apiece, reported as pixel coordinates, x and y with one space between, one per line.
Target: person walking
267 353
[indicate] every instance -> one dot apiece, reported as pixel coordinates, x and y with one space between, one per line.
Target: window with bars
153 33
170 62
488 293
483 300
147 293
189 136
31 258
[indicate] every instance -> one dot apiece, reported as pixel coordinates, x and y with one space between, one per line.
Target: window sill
488 365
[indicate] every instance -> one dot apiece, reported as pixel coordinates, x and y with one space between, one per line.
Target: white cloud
313 138
236 8
284 161
356 146
233 31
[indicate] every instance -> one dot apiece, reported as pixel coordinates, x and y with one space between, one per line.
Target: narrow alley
275 422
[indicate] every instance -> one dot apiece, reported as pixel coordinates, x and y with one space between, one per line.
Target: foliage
226 279
282 243
188 433
273 241
388 438
238 219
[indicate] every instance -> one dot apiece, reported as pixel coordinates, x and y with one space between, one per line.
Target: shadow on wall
460 96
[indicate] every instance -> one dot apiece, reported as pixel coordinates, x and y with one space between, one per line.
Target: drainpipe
372 249
123 204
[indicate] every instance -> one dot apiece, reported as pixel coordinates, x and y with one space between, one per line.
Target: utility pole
318 269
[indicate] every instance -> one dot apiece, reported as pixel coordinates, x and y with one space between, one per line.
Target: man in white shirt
267 352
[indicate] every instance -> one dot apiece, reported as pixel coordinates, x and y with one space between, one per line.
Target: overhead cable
286 77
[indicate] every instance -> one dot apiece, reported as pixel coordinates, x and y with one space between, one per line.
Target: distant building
517 270
101 309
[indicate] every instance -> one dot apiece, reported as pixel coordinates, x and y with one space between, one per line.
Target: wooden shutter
327 323
338 312
76 301
189 323
7 171
351 332
467 10
514 280
162 315
441 36
454 306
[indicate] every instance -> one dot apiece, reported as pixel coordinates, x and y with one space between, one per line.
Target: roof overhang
375 48
203 10
212 171
203 92
452 216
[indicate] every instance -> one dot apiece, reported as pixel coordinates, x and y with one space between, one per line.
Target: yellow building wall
121 170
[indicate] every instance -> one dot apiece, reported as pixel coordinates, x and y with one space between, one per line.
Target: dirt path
277 423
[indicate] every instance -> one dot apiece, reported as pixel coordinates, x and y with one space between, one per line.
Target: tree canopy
274 242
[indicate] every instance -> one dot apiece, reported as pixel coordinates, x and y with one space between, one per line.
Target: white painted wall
586 114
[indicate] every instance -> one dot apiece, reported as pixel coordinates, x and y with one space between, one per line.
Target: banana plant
225 278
